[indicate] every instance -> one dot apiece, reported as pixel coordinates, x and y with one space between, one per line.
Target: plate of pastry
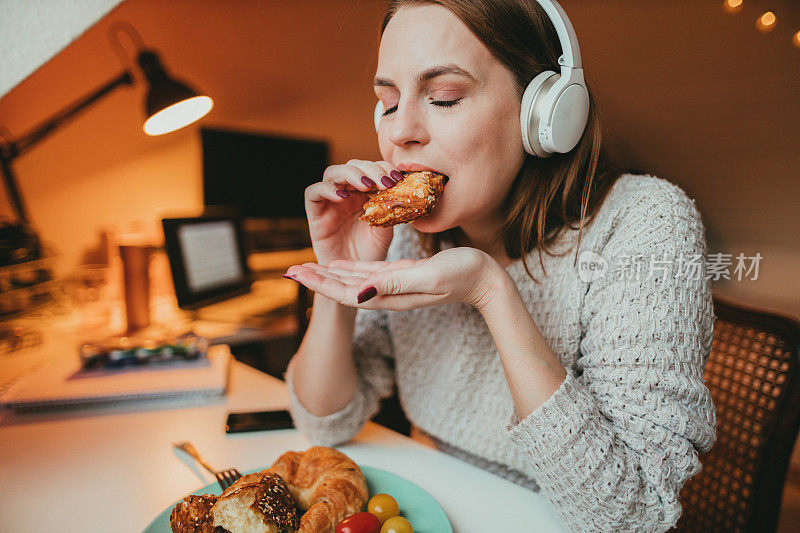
305 492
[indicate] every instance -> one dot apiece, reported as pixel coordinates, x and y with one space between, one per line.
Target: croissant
413 197
325 483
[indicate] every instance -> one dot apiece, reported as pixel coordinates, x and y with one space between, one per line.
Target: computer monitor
265 176
207 258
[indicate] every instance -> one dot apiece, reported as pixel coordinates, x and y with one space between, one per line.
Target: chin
428 224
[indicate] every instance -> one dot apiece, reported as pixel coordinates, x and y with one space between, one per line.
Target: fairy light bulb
732 6
766 22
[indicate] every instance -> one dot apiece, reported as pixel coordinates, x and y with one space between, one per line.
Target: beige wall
688 93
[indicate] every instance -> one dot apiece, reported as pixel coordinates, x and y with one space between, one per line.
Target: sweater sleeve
612 447
373 356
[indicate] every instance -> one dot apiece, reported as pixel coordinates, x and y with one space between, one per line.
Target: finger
344 276
400 302
382 177
317 195
349 177
374 266
329 287
393 172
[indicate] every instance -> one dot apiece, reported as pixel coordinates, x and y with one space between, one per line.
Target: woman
505 353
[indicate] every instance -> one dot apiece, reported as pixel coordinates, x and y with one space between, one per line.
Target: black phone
258 421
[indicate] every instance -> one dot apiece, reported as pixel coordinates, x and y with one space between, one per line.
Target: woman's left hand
454 275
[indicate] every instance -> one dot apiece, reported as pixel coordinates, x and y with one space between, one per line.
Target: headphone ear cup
570 114
531 112
378 114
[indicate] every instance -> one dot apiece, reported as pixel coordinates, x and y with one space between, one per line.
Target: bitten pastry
256 503
192 515
413 197
325 483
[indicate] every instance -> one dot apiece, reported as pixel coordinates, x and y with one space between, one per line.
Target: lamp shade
170 104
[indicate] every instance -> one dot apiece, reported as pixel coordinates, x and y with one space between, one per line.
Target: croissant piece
413 197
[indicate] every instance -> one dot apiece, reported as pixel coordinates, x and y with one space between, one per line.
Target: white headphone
555 107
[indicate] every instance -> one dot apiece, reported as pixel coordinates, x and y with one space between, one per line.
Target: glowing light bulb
766 22
732 6
796 39
178 115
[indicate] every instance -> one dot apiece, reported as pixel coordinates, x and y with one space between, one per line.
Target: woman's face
452 107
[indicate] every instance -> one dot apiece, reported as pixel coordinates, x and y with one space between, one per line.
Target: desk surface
113 469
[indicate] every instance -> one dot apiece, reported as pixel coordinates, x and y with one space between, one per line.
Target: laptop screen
207 259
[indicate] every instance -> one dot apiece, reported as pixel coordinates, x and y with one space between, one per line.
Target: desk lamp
169 106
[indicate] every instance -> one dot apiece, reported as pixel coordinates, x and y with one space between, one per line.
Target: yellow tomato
383 506
397 524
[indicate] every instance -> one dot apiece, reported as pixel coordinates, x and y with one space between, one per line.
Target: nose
409 125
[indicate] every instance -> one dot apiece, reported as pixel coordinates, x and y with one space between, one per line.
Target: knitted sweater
612 447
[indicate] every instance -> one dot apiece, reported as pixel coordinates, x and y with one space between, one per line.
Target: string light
732 6
766 22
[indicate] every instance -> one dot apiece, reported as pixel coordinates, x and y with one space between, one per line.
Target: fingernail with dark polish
396 175
387 181
368 182
290 277
366 294
343 194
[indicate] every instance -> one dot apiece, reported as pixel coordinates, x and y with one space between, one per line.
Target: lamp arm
11 150
62 117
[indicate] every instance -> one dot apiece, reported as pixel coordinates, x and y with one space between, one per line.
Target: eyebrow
428 74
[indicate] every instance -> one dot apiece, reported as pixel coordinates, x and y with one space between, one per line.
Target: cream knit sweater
612 447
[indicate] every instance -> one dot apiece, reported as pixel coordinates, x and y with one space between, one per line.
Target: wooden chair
753 374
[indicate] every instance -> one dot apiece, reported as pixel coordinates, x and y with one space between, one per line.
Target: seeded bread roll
256 503
192 515
413 197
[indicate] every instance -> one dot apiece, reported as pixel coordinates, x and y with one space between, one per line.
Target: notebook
63 384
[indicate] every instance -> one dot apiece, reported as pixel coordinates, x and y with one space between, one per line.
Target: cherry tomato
383 506
397 524
359 523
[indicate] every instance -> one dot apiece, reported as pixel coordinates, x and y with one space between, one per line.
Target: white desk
114 469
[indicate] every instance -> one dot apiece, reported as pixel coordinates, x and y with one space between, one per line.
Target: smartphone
258 421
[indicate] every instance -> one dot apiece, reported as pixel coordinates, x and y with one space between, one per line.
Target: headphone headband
571 52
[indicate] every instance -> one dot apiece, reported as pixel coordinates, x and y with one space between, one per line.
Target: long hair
551 194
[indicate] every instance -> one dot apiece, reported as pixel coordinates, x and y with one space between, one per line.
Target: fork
225 478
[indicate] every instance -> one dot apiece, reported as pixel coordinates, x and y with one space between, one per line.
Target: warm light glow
796 39
178 115
766 22
732 6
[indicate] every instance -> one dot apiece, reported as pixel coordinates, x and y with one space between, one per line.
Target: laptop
212 278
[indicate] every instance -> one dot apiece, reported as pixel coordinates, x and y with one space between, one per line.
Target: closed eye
440 103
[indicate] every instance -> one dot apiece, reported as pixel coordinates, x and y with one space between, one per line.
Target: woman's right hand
336 232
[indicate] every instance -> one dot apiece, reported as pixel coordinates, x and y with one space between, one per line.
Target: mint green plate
424 513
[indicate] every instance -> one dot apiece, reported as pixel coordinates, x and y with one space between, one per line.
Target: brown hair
551 194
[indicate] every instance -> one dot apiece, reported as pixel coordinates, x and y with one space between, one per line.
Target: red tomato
359 523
